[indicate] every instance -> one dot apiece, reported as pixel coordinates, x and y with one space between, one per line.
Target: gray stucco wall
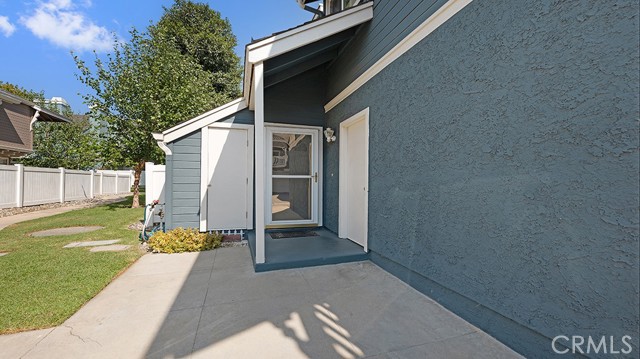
504 168
182 184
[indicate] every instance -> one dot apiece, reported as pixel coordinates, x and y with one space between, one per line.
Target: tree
151 83
69 145
35 97
201 33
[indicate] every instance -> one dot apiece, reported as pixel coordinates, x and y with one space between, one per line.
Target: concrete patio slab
110 248
105 242
65 231
212 305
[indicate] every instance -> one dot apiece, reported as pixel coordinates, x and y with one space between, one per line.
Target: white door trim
343 211
316 132
204 171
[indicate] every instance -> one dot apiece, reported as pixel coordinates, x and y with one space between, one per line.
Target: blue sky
36 36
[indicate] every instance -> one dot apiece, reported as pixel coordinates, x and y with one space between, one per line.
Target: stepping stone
111 248
91 243
65 231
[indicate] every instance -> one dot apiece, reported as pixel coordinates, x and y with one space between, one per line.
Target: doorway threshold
323 248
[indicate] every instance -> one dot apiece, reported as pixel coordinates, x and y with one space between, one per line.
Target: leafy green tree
201 33
69 145
155 81
35 97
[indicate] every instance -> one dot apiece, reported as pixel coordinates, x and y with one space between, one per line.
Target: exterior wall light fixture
328 133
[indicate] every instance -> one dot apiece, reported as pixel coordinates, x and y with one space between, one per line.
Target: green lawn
42 284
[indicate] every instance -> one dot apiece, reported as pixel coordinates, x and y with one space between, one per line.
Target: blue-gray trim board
288 253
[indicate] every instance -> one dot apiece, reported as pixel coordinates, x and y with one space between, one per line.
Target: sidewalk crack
79 337
38 343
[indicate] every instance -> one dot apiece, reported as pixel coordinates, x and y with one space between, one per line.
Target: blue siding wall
392 21
504 168
299 100
243 117
183 182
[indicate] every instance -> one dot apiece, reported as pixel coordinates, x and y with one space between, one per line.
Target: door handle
315 177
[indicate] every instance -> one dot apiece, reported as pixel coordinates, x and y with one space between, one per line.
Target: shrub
184 240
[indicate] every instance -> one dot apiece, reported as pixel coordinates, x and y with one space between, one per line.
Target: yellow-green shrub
184 240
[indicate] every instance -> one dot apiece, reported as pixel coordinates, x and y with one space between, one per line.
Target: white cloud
6 27
59 22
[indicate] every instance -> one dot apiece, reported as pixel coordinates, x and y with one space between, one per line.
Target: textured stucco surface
504 165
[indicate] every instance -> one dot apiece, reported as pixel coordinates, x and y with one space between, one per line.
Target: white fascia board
446 12
248 71
307 34
160 141
204 120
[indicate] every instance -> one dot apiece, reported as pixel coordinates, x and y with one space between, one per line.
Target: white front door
228 179
292 176
354 179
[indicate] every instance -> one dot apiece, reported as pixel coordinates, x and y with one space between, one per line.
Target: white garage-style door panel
227 184
354 179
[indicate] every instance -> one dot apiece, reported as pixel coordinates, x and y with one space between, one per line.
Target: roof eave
49 116
281 43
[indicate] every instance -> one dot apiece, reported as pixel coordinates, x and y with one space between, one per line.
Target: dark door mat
280 235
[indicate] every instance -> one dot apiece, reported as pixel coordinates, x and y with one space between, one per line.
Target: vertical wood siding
14 127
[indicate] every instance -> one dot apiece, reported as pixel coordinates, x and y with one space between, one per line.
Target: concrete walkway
9 220
212 305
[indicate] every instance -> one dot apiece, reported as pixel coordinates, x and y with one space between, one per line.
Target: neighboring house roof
272 46
41 114
17 117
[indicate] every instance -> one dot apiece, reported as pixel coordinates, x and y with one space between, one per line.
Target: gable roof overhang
40 113
292 39
292 51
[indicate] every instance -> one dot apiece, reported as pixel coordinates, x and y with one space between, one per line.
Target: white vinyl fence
28 186
154 182
154 186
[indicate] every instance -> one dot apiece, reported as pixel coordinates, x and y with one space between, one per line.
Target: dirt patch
65 231
137 226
